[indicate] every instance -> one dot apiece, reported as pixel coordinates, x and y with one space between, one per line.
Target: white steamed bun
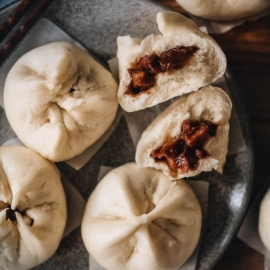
32 208
137 219
208 104
59 100
196 69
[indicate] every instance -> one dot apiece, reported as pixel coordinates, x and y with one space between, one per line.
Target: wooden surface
247 48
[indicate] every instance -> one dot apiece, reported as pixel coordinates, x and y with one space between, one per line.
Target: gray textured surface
96 24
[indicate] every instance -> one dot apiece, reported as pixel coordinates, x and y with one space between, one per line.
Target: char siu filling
143 75
184 152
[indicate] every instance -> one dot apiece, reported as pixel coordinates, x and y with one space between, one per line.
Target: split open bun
33 209
221 10
137 219
59 100
190 136
183 59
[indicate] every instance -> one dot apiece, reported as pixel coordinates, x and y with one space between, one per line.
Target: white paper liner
219 27
75 206
13 141
249 232
200 188
113 65
42 33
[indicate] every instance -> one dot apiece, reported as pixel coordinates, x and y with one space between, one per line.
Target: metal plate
96 24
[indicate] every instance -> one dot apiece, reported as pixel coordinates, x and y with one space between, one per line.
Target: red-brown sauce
183 153
143 75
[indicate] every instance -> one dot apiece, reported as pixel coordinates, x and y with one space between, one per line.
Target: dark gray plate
96 24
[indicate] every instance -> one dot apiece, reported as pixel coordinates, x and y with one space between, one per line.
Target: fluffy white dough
205 65
32 208
264 220
137 219
59 100
221 10
209 103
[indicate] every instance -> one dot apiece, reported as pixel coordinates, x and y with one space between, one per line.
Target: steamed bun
264 220
180 60
221 10
32 208
59 100
137 219
190 136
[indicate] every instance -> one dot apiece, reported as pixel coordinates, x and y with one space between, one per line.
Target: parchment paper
200 188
